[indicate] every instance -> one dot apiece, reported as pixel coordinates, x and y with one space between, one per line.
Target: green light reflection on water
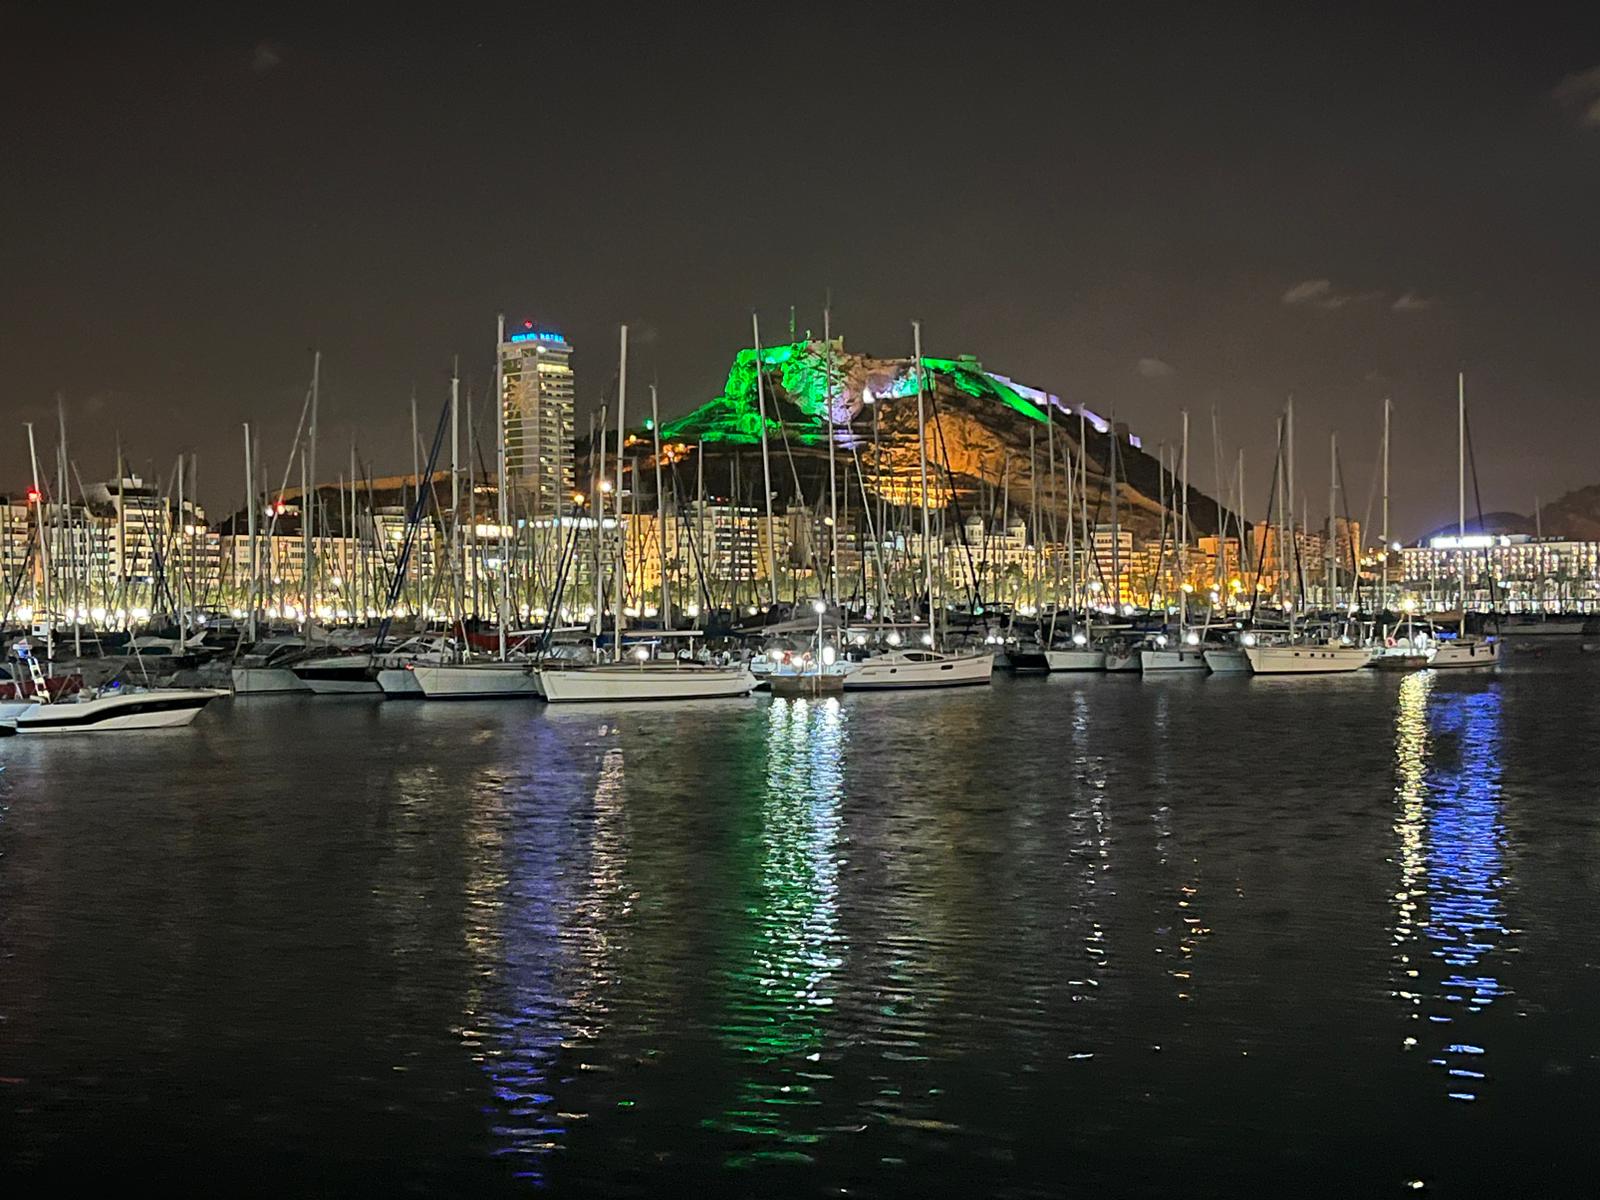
785 960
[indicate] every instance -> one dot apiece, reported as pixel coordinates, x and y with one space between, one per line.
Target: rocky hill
1575 515
989 436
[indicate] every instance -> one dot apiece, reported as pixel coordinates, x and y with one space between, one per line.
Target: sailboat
1464 650
1187 654
504 676
1296 654
924 667
641 676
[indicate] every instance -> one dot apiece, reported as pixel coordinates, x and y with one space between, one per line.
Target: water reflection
783 982
1451 844
547 917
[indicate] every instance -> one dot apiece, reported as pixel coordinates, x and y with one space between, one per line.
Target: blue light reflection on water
1452 863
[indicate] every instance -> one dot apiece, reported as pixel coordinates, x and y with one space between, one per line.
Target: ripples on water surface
1094 936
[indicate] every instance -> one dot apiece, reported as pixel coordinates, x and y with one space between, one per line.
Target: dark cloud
265 57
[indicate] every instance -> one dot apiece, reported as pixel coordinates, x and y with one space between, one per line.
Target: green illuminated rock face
988 440
800 378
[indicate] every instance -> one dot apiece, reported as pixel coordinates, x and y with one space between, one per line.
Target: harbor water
1094 935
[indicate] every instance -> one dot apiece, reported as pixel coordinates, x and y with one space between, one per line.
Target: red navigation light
33 495
527 324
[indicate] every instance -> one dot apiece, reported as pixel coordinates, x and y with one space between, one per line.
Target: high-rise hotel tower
536 365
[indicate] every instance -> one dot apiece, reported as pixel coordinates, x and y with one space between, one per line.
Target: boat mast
502 515
661 514
922 470
308 508
250 519
1183 531
1461 491
1116 535
1083 504
833 498
44 553
1383 570
1294 540
1244 551
622 425
766 466
1330 555
455 500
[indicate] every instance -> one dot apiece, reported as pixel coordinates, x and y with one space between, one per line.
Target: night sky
1132 208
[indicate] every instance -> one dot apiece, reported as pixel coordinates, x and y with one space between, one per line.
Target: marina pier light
1080 639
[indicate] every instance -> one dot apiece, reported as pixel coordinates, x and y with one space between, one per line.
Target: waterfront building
1505 572
537 401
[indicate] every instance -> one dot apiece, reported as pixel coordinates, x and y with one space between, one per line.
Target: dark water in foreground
1095 936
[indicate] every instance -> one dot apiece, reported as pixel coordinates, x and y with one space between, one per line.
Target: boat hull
1123 662
873 675
261 681
808 683
1226 661
344 674
399 683
1462 655
477 681
626 682
1075 659
1307 660
119 712
1183 658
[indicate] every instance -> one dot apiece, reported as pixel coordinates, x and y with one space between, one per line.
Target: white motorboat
117 710
920 669
656 679
1466 652
1307 658
486 680
337 674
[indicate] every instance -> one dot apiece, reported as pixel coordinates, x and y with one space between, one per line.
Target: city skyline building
537 400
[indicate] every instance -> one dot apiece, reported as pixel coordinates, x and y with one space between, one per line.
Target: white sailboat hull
626 681
1085 659
1127 660
118 712
399 682
254 681
1465 652
892 672
477 681
1307 660
341 674
1227 661
1183 658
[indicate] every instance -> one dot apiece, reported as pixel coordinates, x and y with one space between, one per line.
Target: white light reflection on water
1092 843
1451 857
784 984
